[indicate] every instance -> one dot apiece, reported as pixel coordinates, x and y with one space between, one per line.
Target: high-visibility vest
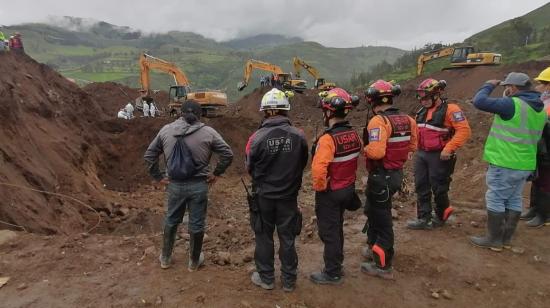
513 143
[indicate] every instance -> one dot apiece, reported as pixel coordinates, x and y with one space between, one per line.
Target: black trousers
432 176
282 214
329 208
382 184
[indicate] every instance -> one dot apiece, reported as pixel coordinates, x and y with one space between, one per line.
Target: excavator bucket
241 85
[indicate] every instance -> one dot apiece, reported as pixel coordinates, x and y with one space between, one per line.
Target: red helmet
381 90
336 100
430 87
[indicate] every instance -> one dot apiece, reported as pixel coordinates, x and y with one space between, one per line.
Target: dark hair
191 111
275 112
527 87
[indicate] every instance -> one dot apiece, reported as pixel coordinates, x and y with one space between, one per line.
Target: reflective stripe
513 139
517 130
399 139
345 158
428 126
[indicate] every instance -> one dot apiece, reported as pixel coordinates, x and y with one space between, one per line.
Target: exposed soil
58 138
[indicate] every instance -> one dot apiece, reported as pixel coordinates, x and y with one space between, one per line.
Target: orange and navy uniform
442 128
336 155
392 136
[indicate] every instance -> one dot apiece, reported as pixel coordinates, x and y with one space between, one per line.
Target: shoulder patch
458 116
374 134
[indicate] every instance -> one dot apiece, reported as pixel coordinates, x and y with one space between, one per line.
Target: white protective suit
122 115
145 109
129 110
153 110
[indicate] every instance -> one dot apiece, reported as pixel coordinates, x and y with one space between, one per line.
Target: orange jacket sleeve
378 136
456 119
414 135
324 154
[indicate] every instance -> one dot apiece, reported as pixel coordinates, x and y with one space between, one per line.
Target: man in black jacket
276 155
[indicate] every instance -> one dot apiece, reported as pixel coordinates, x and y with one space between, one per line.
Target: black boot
495 232
169 237
511 218
196 257
538 221
420 224
529 214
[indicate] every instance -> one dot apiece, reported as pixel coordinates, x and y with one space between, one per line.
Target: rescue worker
511 150
145 109
153 109
122 114
276 155
129 110
333 169
3 45
539 213
392 137
442 130
17 43
190 193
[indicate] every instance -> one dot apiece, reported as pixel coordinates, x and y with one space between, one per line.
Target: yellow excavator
211 100
320 83
286 80
461 57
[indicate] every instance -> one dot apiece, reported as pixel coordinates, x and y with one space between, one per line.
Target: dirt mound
112 96
47 143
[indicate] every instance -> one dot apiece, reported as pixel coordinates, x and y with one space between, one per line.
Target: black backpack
181 165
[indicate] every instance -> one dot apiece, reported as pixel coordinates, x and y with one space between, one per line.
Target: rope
57 195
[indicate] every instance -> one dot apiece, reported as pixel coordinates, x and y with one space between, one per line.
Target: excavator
461 57
211 100
286 79
320 83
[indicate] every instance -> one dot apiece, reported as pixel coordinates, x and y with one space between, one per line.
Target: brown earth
58 138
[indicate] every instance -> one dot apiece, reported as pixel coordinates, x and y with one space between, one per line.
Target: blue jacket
504 106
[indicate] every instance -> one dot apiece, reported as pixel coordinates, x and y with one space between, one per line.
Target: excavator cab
460 54
178 93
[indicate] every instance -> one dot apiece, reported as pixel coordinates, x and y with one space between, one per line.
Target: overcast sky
335 23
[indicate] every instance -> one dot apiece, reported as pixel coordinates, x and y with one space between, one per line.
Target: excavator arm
428 56
255 64
148 62
299 64
320 83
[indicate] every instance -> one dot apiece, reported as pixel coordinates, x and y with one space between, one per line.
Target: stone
446 294
518 250
435 295
6 236
394 214
223 257
22 286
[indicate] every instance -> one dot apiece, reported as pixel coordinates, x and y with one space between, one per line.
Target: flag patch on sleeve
458 116
374 134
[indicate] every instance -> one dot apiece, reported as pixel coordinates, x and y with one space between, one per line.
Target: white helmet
275 100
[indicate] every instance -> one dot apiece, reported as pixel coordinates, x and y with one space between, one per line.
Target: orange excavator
461 57
211 100
286 80
320 83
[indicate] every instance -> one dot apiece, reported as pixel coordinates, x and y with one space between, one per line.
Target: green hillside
518 40
107 52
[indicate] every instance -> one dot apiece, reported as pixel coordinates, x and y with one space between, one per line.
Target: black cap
191 106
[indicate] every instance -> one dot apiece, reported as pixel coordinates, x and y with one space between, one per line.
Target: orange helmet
430 87
381 91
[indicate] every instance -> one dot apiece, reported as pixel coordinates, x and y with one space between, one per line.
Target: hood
181 127
532 98
275 121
